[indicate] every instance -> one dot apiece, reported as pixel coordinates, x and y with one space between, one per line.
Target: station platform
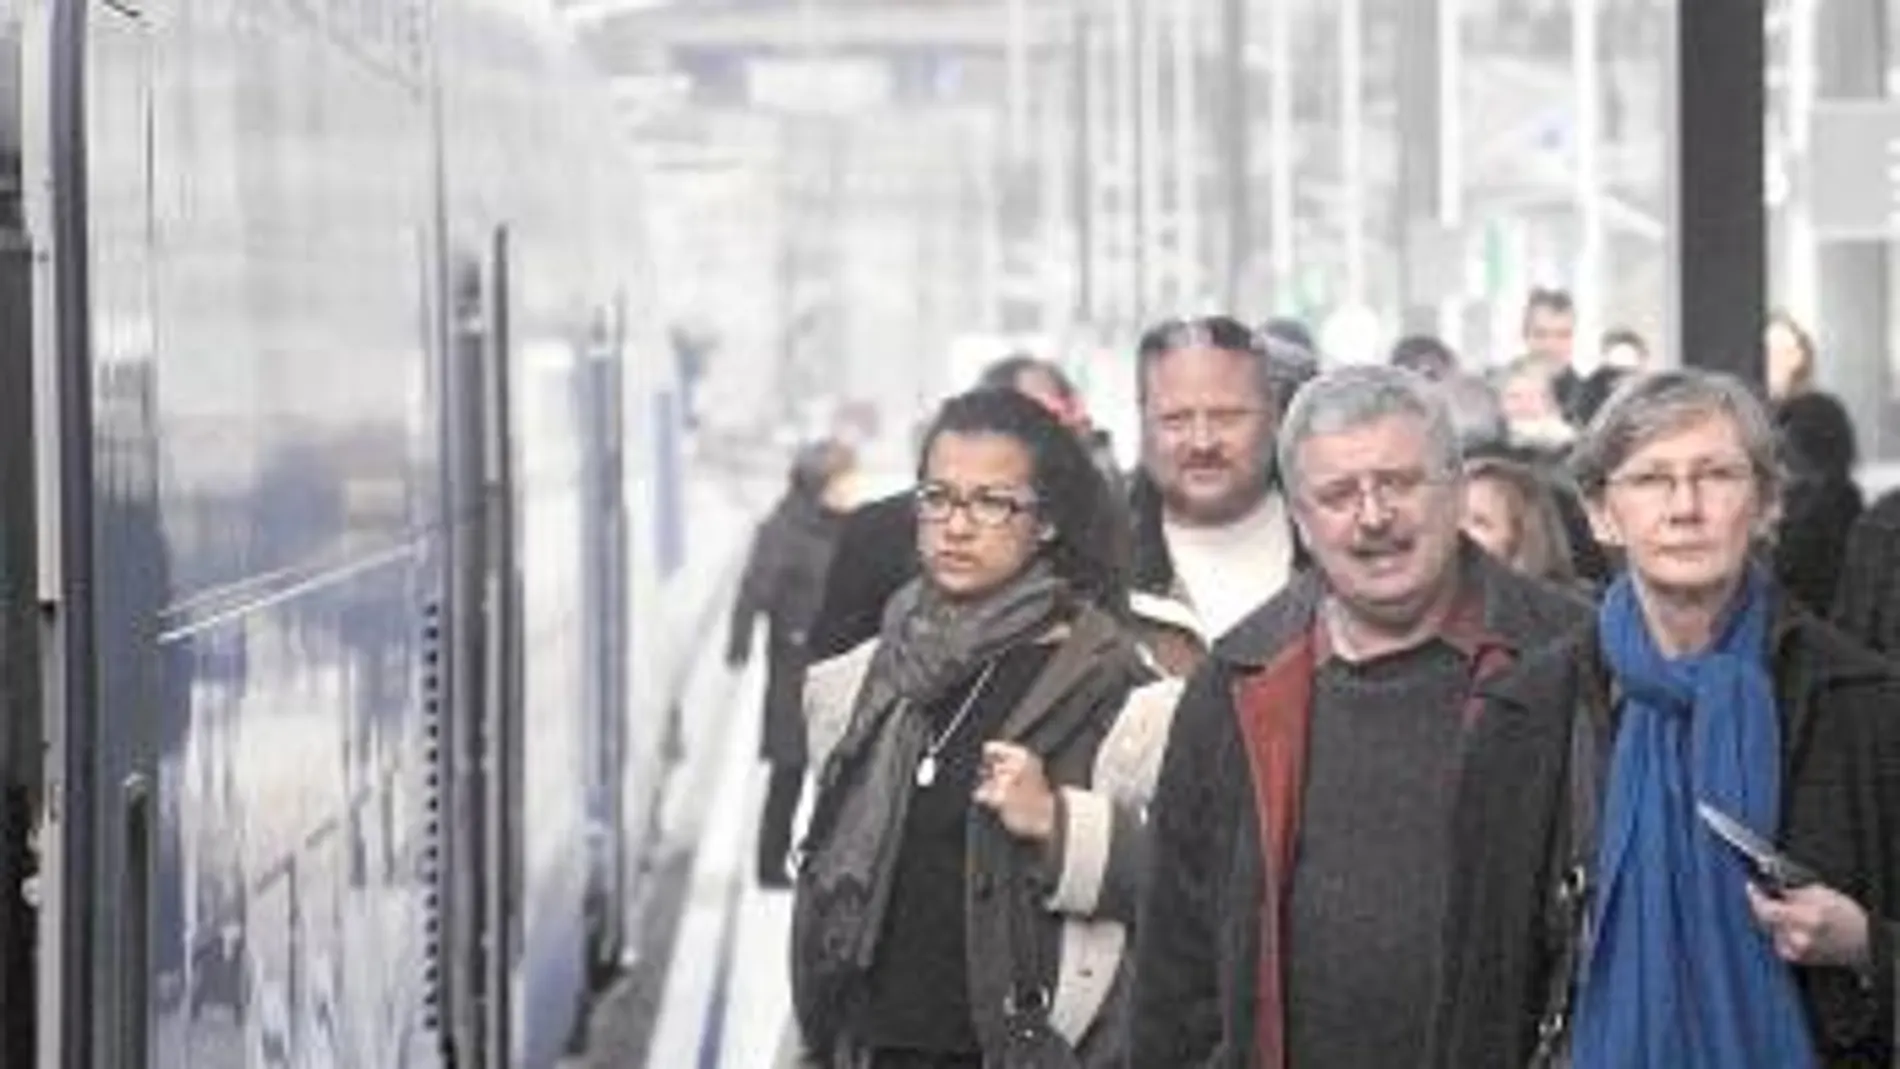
708 987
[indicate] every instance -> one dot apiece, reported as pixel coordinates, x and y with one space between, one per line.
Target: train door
481 731
19 663
603 535
102 573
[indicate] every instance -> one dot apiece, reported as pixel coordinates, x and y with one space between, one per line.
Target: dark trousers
775 823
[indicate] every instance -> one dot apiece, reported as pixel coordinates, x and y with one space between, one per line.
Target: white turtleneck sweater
1229 571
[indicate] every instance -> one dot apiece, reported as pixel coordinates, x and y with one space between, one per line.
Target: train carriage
339 458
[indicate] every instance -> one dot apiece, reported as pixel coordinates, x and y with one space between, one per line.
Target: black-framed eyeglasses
985 507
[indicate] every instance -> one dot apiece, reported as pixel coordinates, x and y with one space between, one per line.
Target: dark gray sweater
1369 873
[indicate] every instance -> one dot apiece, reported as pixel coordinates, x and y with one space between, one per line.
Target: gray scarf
928 642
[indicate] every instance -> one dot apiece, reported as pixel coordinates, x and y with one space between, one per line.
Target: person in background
1425 355
1595 917
1790 357
1511 512
1212 538
1622 354
1045 383
1868 606
1476 413
1821 500
1292 357
1538 429
783 580
1330 718
1289 339
942 920
879 537
1550 337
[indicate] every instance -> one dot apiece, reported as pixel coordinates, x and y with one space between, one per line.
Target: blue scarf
1679 976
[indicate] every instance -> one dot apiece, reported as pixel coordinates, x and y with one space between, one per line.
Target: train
342 470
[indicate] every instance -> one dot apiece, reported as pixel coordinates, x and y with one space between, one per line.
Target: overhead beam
617 28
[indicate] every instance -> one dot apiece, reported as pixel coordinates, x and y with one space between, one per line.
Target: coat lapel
1091 636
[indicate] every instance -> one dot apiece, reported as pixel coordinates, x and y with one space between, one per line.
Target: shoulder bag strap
1574 890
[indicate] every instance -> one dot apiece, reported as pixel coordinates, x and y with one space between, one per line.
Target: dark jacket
1071 708
1840 709
1868 605
1821 501
1201 949
784 580
879 545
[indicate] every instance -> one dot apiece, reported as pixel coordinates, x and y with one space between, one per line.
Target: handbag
1030 1041
1570 917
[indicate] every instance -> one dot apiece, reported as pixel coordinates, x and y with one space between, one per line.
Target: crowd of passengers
1387 716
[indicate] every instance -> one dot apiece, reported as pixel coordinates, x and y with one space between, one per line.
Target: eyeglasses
1658 486
1180 423
936 503
1399 491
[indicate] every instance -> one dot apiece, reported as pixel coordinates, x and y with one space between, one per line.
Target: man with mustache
1295 868
1212 536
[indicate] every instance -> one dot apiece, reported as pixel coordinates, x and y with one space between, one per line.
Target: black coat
1868 603
1811 539
1840 708
878 548
784 581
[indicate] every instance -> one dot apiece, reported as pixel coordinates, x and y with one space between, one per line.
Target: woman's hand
1015 788
1813 925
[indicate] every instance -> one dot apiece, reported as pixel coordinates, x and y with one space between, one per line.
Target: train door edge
20 727
477 768
92 61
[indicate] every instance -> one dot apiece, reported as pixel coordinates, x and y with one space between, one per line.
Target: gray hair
1648 406
1353 397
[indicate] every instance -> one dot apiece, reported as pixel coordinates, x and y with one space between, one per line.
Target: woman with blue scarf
1604 911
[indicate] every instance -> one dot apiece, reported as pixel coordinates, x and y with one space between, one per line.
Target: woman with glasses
1677 840
968 871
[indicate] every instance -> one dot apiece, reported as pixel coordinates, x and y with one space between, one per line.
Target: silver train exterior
341 479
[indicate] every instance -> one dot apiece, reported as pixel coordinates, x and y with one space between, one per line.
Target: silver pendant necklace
927 767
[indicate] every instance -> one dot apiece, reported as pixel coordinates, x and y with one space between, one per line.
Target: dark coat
1071 707
1868 605
1199 945
879 547
1811 540
1821 501
1840 708
784 580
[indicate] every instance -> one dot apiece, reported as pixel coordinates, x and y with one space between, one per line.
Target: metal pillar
1421 115
1586 65
1281 156
1188 291
1451 160
1083 196
1352 140
1235 153
1718 237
